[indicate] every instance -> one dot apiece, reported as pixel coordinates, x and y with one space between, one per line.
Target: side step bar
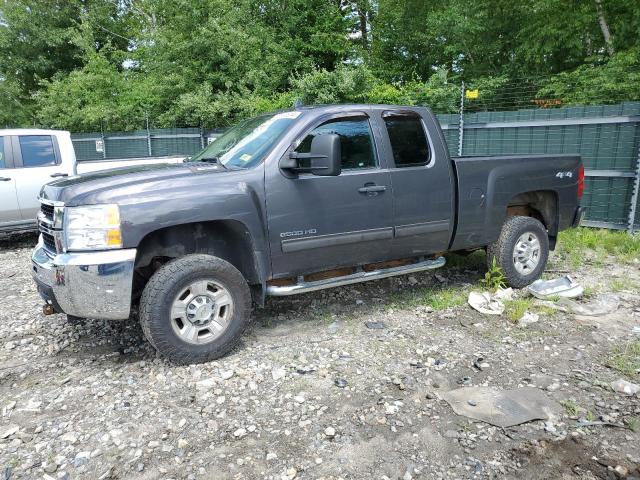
360 276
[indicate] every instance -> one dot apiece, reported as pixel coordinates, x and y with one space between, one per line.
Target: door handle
54 175
372 189
5 179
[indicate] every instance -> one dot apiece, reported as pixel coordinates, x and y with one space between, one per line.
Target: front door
9 211
321 223
37 160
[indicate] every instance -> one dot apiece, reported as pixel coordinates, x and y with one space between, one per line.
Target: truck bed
488 185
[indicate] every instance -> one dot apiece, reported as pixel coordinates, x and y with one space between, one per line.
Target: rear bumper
89 285
578 217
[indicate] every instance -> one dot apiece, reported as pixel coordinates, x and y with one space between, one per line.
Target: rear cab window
356 141
409 143
37 150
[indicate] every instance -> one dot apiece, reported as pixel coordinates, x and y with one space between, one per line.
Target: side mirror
324 159
326 155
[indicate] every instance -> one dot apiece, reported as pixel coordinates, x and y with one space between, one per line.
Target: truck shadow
299 315
437 290
18 240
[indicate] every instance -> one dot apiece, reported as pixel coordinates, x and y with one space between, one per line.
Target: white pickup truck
30 158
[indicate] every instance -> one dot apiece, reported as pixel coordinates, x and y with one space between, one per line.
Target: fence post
146 117
461 120
634 195
104 144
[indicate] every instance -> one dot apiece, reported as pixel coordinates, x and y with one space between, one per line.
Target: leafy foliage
494 276
85 65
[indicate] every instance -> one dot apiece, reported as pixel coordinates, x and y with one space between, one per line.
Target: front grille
47 211
49 242
49 225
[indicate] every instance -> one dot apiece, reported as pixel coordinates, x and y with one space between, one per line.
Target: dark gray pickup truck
288 203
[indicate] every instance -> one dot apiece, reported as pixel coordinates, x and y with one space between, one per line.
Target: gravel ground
316 390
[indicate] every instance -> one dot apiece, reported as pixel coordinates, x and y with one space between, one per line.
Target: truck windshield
247 143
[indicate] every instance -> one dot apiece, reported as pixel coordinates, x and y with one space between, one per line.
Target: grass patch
633 423
436 298
542 309
626 359
516 308
570 406
475 260
618 285
575 242
623 285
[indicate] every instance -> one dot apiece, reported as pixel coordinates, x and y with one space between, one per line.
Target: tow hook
47 309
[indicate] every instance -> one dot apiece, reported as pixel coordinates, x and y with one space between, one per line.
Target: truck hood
112 185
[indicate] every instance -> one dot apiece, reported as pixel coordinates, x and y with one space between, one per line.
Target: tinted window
355 140
37 150
2 155
408 141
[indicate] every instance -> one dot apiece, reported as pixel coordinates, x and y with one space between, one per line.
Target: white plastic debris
562 287
622 386
528 318
485 302
504 293
602 305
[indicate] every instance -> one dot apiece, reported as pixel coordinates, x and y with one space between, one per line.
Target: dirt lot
315 392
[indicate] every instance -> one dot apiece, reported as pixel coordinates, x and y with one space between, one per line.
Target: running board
360 276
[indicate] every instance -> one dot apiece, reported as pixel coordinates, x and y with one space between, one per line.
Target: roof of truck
30 131
351 106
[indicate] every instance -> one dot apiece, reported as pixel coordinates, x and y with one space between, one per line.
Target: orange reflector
114 238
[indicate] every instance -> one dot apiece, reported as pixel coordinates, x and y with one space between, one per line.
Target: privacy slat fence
607 137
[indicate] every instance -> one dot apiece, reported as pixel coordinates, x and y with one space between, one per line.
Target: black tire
503 250
163 287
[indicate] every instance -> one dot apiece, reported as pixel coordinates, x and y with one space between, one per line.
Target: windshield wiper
210 159
215 160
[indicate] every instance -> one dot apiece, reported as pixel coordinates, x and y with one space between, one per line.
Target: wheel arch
539 204
230 240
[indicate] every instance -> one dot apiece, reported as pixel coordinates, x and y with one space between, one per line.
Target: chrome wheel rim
526 253
201 312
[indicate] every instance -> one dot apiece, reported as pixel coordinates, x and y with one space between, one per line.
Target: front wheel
195 308
522 250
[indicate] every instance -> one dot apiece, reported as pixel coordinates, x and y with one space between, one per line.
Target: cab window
37 150
408 140
356 141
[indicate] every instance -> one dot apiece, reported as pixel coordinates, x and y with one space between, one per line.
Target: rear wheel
521 250
195 308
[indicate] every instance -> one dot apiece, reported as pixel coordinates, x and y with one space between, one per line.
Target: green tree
38 40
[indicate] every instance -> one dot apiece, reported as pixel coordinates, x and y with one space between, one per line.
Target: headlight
94 227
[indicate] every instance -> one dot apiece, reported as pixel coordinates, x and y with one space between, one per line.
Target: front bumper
87 284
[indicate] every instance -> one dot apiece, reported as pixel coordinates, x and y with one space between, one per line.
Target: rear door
38 161
320 223
421 176
9 210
